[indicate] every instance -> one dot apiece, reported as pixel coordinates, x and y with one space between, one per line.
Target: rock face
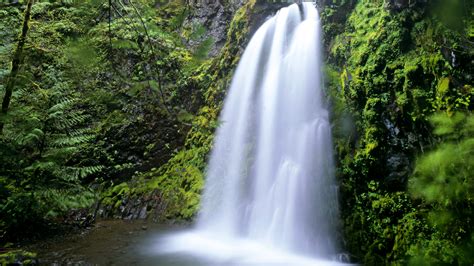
398 5
136 207
263 10
214 16
323 3
231 29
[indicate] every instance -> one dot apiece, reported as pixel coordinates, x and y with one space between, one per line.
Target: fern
40 156
61 200
71 140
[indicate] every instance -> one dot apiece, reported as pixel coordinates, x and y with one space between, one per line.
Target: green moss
181 179
392 74
18 257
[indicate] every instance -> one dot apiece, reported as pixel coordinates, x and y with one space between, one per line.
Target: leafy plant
443 180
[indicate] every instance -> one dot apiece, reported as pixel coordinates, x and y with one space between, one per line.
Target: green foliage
41 174
9 30
181 179
443 180
385 221
21 257
388 72
105 95
43 163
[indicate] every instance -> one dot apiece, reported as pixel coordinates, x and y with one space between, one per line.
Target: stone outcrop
398 5
214 16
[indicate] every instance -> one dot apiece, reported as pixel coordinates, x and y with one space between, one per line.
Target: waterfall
270 178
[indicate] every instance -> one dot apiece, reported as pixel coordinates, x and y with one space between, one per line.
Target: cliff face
172 190
212 19
392 65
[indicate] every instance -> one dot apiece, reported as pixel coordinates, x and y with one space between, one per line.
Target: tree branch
16 63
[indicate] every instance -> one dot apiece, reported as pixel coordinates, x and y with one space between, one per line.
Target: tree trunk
16 62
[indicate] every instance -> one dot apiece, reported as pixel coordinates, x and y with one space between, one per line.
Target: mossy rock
17 257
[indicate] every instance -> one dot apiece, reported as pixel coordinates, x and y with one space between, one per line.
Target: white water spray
270 181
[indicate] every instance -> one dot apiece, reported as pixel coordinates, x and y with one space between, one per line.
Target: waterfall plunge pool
118 242
114 242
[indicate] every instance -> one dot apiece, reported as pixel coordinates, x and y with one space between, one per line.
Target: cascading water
270 180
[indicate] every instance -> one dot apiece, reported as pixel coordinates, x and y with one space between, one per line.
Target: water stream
270 193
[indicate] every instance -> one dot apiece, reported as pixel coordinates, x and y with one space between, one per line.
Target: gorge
187 132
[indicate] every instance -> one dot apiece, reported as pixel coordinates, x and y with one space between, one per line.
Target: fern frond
66 122
79 132
71 141
76 173
34 136
42 166
61 106
60 152
58 201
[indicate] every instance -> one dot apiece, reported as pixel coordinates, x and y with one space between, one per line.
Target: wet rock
322 3
18 257
398 5
142 214
214 16
398 166
264 10
400 146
